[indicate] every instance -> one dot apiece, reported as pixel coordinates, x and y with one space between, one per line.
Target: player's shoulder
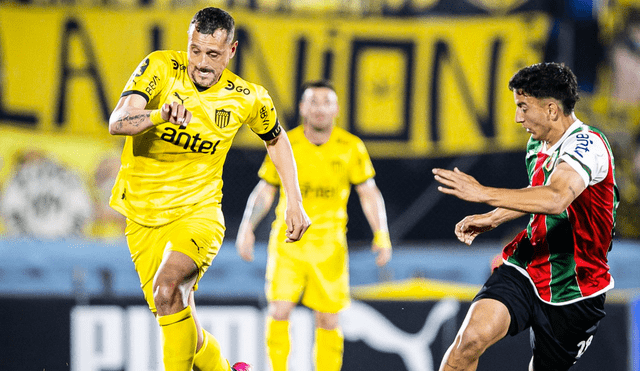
584 132
238 84
584 139
174 58
343 136
296 134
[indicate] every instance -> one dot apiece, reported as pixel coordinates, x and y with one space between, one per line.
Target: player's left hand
381 246
459 184
297 221
382 255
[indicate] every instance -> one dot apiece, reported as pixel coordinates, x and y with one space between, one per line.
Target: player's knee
281 315
470 344
167 295
280 311
327 321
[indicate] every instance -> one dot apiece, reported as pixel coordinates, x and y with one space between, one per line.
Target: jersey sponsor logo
264 116
308 190
178 66
222 118
186 141
583 144
175 94
153 84
240 89
141 68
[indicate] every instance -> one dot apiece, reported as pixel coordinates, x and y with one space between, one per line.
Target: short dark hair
548 80
316 84
208 20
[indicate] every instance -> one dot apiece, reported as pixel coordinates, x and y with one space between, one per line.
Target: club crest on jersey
222 118
550 162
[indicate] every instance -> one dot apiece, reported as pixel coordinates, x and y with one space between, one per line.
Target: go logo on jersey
240 89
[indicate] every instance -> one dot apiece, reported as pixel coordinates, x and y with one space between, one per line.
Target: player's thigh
327 288
562 334
286 277
146 249
486 322
198 235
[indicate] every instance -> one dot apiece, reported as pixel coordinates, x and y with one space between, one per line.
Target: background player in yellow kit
315 270
180 112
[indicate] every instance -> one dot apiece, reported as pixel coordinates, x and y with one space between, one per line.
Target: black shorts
559 334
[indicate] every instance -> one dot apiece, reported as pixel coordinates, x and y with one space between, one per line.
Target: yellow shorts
315 272
198 234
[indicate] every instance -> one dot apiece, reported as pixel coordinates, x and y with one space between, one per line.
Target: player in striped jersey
555 272
180 112
315 271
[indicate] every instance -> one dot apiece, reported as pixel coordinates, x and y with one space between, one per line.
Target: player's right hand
297 221
176 114
244 243
471 226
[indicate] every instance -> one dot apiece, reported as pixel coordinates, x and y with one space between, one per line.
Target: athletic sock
209 357
278 343
328 349
179 340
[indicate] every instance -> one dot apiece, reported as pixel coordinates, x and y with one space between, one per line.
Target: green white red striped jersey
565 255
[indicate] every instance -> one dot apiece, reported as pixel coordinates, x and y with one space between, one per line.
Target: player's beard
204 82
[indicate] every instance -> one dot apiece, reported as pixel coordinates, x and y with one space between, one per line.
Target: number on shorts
583 345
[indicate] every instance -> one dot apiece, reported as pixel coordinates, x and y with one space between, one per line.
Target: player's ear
234 46
553 110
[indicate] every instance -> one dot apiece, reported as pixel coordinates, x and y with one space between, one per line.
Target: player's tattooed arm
131 120
130 116
129 123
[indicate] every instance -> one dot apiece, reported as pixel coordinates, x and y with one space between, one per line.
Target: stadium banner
380 335
411 88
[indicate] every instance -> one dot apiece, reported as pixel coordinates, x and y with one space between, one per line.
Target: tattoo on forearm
135 120
453 367
573 192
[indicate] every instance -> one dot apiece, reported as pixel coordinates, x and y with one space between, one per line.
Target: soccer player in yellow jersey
315 270
180 112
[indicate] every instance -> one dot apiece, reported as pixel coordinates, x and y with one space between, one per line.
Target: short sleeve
361 168
587 154
268 172
149 76
263 119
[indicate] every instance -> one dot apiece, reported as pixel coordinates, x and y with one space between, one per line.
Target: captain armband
271 134
381 239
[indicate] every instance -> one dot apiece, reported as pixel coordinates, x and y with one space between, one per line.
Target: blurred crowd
45 198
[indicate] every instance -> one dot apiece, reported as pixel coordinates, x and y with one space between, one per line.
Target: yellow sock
278 343
209 357
328 349
179 340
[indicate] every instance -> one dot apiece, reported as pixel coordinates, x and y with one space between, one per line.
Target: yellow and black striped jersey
167 169
325 173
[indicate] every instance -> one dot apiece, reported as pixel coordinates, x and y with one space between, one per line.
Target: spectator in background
625 60
315 270
106 223
44 199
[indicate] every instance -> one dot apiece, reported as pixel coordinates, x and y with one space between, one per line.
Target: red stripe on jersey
591 215
539 268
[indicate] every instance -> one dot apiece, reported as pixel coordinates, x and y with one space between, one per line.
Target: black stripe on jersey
129 92
274 132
